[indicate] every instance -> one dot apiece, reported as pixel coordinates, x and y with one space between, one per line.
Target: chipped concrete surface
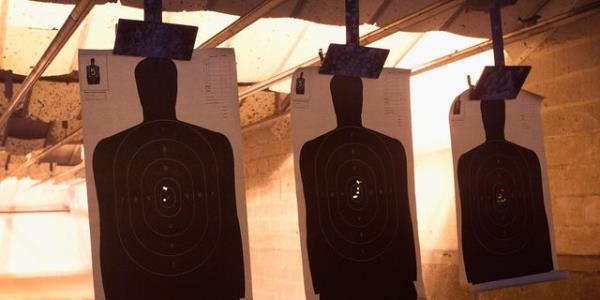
21 146
257 107
53 101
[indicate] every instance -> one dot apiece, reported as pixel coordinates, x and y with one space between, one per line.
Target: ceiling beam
459 10
444 27
81 9
515 36
380 10
534 43
412 44
366 39
242 22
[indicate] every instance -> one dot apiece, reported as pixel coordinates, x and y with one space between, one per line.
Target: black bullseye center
167 196
356 190
502 215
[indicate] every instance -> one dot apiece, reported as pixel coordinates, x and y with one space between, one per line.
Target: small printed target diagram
166 196
358 222
504 229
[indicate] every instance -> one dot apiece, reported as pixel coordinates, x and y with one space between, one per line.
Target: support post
497 39
153 11
352 15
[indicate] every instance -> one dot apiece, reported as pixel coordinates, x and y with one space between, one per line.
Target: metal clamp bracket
499 82
352 59
153 38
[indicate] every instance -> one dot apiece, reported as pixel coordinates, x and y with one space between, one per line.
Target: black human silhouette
166 195
92 72
359 229
300 84
504 225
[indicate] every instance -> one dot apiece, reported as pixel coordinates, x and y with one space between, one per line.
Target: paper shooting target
168 199
500 192
166 196
503 223
359 229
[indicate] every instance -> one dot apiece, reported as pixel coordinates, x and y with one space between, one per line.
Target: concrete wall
566 69
276 260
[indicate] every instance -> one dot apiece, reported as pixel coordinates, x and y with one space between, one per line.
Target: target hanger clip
351 59
499 82
153 38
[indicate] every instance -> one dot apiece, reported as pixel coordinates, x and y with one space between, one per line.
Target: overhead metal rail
241 23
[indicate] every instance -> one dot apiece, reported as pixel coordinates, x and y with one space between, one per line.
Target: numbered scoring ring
357 208
168 213
503 216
